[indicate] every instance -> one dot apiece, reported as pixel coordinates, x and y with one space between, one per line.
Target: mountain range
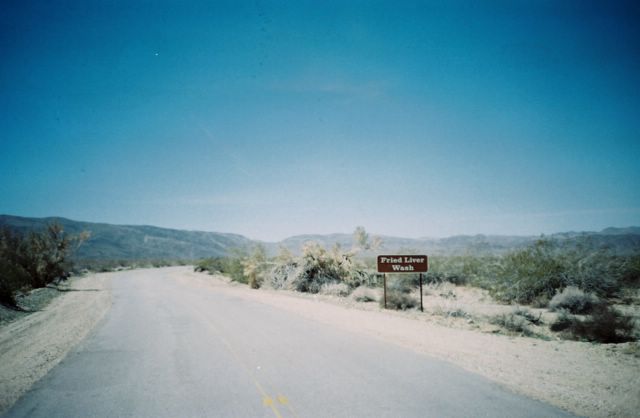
137 242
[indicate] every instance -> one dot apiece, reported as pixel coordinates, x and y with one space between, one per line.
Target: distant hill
618 240
125 242
632 230
129 242
435 246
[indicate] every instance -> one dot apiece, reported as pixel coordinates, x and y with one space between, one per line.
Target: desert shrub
318 267
597 272
573 300
211 264
400 283
363 294
34 260
530 273
528 315
254 266
240 266
457 313
453 313
564 322
441 277
630 274
12 275
335 289
463 269
282 276
233 265
399 301
540 301
12 279
604 325
517 321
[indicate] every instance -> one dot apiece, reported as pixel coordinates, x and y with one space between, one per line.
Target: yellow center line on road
284 401
266 399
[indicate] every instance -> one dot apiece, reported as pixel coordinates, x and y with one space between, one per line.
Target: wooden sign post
402 264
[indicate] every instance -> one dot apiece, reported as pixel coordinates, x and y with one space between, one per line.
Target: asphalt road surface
168 349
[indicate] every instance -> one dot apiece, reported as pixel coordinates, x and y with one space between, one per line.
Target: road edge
33 345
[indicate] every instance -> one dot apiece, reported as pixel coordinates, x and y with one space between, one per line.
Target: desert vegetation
34 260
591 293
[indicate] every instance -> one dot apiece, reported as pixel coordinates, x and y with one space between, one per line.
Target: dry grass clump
451 313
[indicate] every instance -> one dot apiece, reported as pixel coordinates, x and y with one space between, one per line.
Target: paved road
168 349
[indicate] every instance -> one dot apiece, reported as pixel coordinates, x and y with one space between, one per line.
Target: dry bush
335 289
364 294
518 321
451 312
316 268
34 260
400 283
605 325
564 322
399 301
573 300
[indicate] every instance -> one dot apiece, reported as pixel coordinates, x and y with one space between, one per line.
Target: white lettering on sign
399 267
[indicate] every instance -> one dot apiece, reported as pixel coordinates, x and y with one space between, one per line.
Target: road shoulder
33 344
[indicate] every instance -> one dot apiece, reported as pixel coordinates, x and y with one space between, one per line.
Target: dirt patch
587 379
32 343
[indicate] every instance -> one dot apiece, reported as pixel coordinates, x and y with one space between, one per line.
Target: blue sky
271 119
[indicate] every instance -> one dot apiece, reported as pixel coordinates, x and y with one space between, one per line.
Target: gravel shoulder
33 343
595 380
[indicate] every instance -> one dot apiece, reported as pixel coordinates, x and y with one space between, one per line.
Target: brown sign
402 264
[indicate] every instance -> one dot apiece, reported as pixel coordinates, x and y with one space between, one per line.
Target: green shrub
466 269
530 273
630 273
233 265
254 266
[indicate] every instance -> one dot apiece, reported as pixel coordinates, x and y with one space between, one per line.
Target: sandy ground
587 379
33 344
